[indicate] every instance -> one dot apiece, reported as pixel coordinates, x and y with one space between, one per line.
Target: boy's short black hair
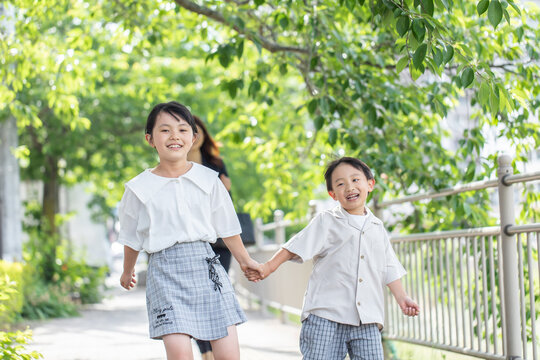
173 108
356 163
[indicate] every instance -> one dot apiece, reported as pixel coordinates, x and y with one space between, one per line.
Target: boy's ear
371 184
332 194
149 140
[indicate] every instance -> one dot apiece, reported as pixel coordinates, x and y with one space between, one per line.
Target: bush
12 346
11 291
12 343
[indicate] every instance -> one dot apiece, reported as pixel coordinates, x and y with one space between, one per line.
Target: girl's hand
127 280
409 307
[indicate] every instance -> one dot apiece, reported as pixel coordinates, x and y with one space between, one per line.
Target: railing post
280 229
259 234
312 209
510 266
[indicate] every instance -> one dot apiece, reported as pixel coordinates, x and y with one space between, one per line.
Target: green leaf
448 54
402 63
372 115
402 25
419 55
283 69
483 93
319 122
512 4
254 88
482 6
419 30
437 56
467 77
312 106
427 7
332 136
494 100
495 13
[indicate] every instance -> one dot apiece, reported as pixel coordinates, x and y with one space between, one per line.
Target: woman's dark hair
209 147
173 108
358 164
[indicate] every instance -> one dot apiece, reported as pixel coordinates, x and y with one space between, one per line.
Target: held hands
409 307
127 280
253 270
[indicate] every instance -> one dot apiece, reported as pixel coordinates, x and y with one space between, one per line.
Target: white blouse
157 212
352 263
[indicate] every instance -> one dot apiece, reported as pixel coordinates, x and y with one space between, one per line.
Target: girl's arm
408 306
238 250
127 280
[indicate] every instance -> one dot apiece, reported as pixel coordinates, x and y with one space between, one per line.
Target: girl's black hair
173 108
209 147
358 164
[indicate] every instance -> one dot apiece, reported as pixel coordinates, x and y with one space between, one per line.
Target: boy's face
351 187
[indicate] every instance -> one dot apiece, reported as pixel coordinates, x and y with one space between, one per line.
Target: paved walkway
117 329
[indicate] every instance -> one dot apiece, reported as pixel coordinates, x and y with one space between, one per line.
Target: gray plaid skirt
189 292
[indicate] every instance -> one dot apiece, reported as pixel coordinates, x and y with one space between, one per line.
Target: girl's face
171 138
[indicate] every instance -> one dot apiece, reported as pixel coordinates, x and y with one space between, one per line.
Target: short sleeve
394 269
224 219
128 211
309 242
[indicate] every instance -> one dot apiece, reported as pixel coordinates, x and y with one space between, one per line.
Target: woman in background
205 151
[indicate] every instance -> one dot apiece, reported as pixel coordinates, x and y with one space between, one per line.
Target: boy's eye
355 180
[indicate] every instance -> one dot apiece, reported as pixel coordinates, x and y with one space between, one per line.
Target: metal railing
478 288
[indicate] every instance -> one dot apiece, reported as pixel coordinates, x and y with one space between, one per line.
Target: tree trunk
50 209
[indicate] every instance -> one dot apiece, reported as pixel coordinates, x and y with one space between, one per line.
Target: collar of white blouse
146 184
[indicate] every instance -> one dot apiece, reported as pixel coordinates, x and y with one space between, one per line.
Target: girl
173 212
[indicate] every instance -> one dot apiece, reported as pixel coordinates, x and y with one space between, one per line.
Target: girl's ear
332 194
149 140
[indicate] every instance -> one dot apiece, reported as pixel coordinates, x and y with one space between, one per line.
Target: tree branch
217 16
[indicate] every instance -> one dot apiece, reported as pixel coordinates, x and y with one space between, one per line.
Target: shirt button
361 256
358 303
360 280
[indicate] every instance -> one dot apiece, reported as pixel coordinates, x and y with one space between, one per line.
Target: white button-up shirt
157 212
351 267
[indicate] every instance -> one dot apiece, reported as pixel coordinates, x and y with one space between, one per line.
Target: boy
352 261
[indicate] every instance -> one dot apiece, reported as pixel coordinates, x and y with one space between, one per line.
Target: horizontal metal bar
516 229
282 223
484 231
454 349
512 179
445 192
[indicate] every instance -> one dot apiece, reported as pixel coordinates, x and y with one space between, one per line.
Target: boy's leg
178 346
322 339
365 343
227 348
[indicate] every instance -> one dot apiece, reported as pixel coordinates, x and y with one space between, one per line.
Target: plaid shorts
322 339
189 292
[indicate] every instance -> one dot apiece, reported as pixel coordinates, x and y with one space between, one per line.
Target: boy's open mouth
353 196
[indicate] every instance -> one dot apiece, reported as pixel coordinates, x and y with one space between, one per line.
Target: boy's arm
238 250
271 265
408 306
127 280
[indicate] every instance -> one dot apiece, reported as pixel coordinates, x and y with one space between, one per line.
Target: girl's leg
227 348
178 347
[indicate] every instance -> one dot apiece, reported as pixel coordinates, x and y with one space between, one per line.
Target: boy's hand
409 307
127 280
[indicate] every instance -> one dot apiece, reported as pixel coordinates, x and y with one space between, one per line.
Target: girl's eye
339 184
164 130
